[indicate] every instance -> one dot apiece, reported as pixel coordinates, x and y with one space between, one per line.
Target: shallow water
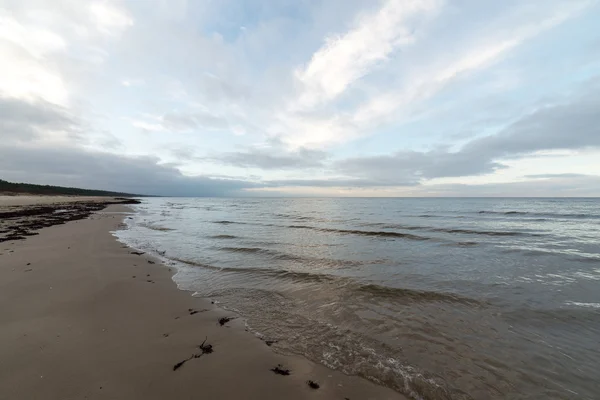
437 298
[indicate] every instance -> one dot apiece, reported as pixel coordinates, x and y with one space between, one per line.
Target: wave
389 234
156 228
578 314
339 231
296 217
586 305
391 226
362 233
280 273
223 237
347 284
416 295
537 214
487 233
452 230
259 250
306 261
461 244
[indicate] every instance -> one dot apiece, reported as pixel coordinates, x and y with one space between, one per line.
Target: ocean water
436 298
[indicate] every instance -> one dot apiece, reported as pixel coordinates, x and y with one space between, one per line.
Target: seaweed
204 349
280 370
313 384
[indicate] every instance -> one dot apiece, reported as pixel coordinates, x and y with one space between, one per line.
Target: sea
437 298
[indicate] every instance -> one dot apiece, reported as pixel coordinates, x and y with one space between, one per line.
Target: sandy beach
81 317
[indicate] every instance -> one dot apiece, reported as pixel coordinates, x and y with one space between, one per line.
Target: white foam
587 305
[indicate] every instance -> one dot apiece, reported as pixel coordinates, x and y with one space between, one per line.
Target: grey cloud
23 120
273 158
22 159
584 186
87 169
345 183
575 125
572 125
412 166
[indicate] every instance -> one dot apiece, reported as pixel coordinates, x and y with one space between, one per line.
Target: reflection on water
437 298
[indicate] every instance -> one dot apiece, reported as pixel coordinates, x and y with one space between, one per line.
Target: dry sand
83 318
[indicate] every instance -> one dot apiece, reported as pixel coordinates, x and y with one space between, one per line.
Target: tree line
28 188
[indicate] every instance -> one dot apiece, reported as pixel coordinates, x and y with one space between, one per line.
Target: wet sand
81 317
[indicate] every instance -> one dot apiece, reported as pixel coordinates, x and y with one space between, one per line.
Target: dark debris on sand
192 311
224 320
25 221
313 384
280 370
204 349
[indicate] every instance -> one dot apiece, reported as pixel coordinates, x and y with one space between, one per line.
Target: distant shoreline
15 188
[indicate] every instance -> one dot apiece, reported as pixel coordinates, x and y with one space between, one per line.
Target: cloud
556 176
273 158
42 43
582 186
336 183
88 169
130 82
24 120
344 59
571 125
179 121
110 18
375 96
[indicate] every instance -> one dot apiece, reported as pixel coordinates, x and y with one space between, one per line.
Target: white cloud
41 42
26 70
110 19
345 59
129 82
340 63
147 126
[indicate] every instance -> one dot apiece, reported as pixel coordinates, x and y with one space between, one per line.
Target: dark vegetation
280 370
28 188
204 349
313 384
16 223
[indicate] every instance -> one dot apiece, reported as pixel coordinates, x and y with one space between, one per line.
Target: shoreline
81 316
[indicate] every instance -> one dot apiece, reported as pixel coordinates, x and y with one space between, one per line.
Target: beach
84 317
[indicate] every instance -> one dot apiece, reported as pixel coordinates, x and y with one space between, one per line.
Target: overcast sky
302 97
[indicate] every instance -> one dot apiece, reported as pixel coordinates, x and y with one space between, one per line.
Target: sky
302 97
